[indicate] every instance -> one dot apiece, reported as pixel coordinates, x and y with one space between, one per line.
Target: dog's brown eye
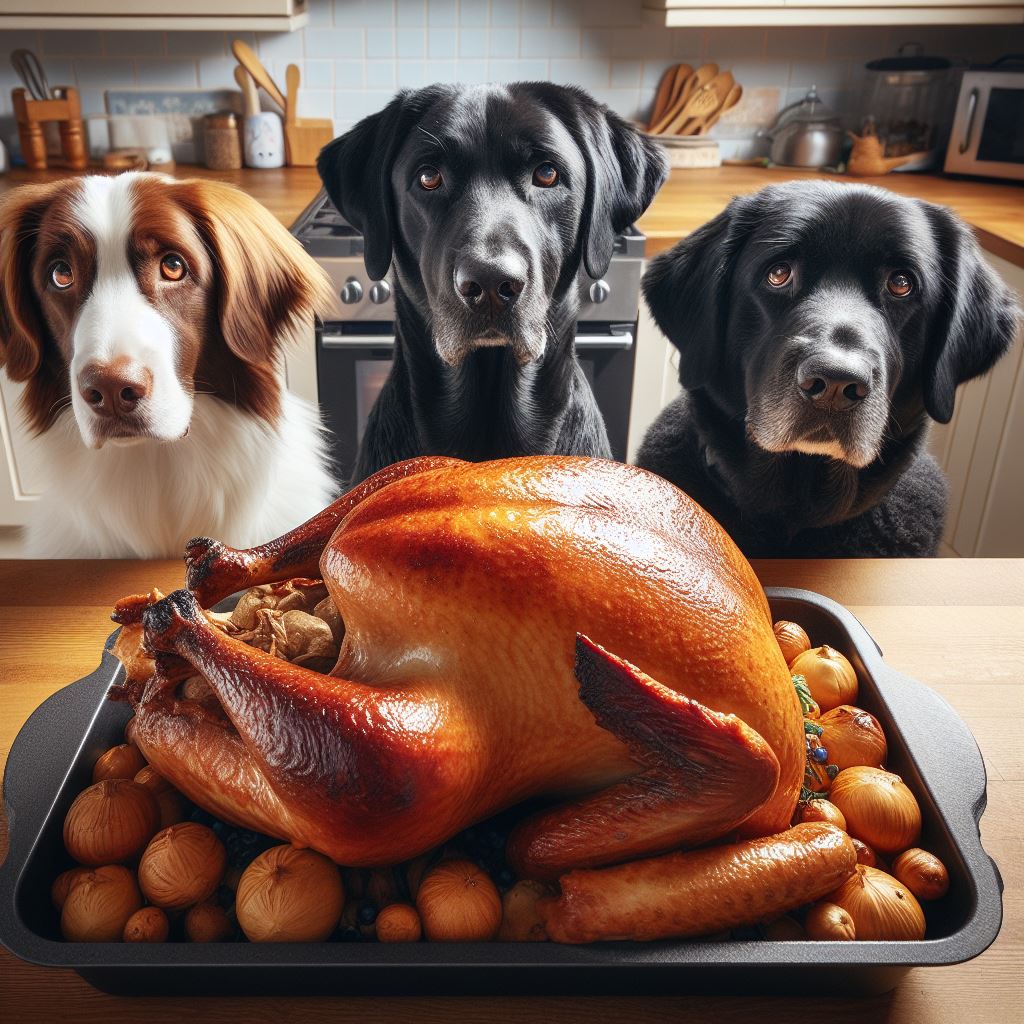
545 175
900 284
173 267
430 179
779 274
62 275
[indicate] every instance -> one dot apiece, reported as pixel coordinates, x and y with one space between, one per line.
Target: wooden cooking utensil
735 95
303 137
245 56
705 102
250 93
669 89
676 114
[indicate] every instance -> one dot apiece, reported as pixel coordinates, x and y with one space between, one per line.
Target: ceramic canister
264 140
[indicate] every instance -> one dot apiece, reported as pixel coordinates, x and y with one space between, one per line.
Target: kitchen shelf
188 15
770 13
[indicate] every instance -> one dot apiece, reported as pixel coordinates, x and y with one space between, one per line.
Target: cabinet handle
972 109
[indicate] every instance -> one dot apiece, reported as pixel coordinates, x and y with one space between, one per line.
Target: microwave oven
988 126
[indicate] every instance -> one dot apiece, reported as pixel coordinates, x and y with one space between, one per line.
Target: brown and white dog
145 318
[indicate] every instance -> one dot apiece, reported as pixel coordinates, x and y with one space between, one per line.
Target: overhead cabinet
223 15
696 13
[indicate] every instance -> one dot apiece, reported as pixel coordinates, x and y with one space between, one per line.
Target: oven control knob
352 292
380 292
599 291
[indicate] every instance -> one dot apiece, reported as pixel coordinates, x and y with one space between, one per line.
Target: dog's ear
28 351
624 172
23 330
977 318
687 290
356 171
265 281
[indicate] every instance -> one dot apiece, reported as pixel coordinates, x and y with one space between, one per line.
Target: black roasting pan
929 746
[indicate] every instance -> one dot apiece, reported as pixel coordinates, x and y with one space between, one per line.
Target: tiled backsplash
355 53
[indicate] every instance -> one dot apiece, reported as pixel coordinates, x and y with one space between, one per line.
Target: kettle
805 134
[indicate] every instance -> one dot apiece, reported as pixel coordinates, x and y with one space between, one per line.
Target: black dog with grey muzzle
487 202
820 328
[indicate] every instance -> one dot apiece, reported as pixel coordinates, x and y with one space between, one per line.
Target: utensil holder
30 115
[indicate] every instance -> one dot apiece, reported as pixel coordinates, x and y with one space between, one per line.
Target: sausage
700 892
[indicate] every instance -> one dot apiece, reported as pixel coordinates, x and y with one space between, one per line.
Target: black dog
819 327
488 201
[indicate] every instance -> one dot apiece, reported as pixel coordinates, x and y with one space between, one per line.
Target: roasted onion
792 638
852 737
830 676
110 822
457 902
878 807
829 922
922 873
881 907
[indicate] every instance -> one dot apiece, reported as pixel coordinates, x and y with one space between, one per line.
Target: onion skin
820 810
208 922
881 907
879 808
149 924
120 762
828 922
182 866
922 873
852 737
829 675
99 905
63 884
289 895
457 902
399 922
865 855
793 639
700 892
110 822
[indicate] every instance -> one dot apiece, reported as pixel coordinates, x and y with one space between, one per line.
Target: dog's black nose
833 385
115 389
497 283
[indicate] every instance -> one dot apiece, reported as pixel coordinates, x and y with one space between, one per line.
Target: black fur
727 439
521 390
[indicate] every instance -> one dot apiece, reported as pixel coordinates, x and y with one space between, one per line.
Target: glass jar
222 143
911 99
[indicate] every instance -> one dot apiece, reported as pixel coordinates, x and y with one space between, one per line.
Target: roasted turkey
568 629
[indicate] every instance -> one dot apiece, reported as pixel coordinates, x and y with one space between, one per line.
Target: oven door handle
332 339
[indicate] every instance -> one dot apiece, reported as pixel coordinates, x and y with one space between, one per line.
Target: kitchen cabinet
220 15
981 450
700 13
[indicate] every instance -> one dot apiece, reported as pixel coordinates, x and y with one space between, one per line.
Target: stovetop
338 247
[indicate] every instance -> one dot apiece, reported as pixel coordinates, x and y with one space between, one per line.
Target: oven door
988 127
353 361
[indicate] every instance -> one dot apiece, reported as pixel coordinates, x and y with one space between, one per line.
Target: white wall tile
471 72
380 74
195 44
794 42
472 42
318 74
316 103
286 46
442 13
335 43
441 71
412 12
517 70
825 74
104 72
626 74
590 74
410 42
535 12
411 74
133 44
726 43
474 12
505 12
217 72
348 74
357 13
549 42
441 42
167 73
70 44
380 42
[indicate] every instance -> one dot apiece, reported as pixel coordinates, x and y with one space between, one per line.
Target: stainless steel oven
354 349
988 126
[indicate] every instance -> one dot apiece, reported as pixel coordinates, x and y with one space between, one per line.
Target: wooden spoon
247 58
703 104
735 95
291 82
671 121
250 94
669 89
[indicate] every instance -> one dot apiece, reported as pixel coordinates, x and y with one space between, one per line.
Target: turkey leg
215 570
369 775
701 774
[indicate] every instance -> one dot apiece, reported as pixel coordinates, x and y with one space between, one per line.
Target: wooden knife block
31 115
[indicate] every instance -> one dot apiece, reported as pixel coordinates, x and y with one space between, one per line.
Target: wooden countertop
688 199
957 624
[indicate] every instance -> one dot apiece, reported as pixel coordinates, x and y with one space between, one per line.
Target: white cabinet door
19 489
655 378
